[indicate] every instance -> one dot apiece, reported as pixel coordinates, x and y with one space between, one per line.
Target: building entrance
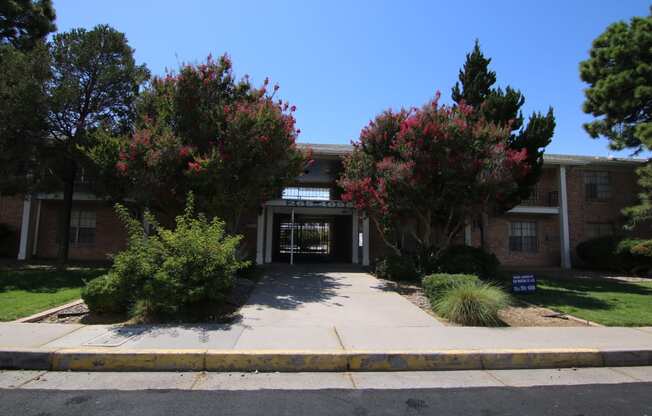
312 238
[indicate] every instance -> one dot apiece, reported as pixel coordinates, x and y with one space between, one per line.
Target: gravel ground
81 314
518 315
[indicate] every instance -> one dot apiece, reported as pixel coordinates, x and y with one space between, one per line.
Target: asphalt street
593 399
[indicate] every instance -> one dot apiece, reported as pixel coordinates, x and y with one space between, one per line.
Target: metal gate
310 238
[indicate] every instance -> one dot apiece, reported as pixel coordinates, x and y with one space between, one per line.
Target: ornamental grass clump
472 304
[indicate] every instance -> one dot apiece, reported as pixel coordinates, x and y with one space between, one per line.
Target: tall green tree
23 110
25 23
503 107
619 96
93 86
24 70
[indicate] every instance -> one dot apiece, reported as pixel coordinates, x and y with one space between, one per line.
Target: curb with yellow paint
102 359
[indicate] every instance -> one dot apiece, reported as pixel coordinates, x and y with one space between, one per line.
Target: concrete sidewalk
309 320
343 348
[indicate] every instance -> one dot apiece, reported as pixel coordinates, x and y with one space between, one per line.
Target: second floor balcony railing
542 199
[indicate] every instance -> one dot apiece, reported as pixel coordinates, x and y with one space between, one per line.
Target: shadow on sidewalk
287 287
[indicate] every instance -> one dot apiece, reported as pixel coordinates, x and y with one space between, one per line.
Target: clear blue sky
342 62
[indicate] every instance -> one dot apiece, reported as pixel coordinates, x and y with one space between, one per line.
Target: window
599 229
314 194
597 186
523 236
82 227
533 199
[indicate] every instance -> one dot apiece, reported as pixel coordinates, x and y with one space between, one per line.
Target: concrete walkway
338 319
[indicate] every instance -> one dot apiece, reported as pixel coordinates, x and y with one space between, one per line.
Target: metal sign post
292 239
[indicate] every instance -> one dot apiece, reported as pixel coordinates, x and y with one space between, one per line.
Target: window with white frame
597 185
304 193
523 236
82 227
594 230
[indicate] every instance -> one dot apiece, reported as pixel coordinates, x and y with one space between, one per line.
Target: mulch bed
225 313
517 315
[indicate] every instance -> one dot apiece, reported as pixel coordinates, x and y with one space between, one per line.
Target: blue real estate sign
524 283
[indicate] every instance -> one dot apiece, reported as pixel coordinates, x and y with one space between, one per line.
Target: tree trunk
64 218
393 247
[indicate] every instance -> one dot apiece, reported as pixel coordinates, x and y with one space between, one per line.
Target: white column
24 228
356 238
260 237
467 235
365 241
268 236
292 237
37 225
563 220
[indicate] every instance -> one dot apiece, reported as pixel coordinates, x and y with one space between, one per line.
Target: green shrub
637 254
106 294
396 268
437 284
468 260
616 253
472 304
171 271
600 252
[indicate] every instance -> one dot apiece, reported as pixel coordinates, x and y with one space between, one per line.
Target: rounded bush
468 260
636 255
600 252
616 253
397 268
105 294
472 304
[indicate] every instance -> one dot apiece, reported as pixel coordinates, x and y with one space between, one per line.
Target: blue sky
342 62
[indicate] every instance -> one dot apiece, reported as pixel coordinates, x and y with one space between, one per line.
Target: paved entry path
320 305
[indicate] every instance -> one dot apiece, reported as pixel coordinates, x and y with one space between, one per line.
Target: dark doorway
324 238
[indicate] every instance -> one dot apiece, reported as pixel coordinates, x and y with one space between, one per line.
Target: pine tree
503 107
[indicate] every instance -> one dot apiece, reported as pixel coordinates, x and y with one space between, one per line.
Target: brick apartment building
577 198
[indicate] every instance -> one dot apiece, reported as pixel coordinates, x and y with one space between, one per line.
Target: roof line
552 158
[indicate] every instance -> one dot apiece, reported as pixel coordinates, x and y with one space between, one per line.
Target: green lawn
607 302
25 292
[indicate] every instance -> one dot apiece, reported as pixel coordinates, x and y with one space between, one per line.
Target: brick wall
581 212
548 251
110 235
11 214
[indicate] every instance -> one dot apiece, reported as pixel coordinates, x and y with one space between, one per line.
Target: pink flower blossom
184 151
122 167
194 167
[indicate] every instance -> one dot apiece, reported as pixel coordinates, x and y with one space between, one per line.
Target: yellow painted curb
274 360
415 360
106 359
99 359
541 358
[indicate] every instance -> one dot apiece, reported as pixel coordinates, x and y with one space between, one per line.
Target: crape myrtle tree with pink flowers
201 130
437 165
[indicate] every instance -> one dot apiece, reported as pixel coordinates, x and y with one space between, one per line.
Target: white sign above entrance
308 203
317 204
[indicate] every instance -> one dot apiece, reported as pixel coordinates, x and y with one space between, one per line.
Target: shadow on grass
556 292
46 280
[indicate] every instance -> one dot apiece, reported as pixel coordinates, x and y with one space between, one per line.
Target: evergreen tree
94 84
619 74
25 23
503 107
24 72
